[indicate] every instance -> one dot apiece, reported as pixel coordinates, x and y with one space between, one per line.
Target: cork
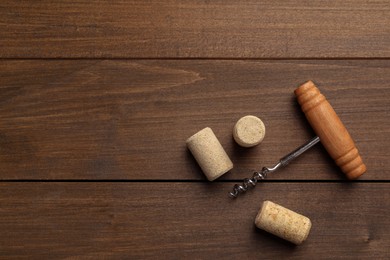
249 131
283 222
209 154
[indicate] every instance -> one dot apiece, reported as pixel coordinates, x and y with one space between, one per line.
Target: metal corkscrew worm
257 176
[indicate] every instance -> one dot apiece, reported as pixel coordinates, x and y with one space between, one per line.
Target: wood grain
188 221
224 28
110 90
116 119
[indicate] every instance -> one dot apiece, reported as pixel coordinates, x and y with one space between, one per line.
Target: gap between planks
200 181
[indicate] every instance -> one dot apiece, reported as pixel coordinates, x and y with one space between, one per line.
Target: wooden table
98 97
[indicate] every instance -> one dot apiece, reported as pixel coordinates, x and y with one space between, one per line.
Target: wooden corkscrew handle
328 126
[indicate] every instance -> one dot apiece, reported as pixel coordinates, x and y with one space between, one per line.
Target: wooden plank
105 119
225 28
188 220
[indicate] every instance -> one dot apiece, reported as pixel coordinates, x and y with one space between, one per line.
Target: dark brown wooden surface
105 119
97 99
188 220
224 28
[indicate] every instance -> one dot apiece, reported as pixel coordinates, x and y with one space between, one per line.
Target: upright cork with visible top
283 222
209 154
249 131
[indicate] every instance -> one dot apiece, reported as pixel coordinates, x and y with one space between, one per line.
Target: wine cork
283 222
249 131
209 154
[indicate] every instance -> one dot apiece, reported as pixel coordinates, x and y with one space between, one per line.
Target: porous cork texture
209 154
283 222
249 131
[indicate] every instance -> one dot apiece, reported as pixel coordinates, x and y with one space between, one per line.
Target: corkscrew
251 182
328 127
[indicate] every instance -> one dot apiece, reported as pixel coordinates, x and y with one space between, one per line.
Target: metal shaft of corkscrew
251 182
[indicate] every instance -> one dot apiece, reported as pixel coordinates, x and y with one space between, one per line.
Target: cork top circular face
249 131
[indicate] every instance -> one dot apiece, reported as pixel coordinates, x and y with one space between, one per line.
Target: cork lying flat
249 131
283 222
209 154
